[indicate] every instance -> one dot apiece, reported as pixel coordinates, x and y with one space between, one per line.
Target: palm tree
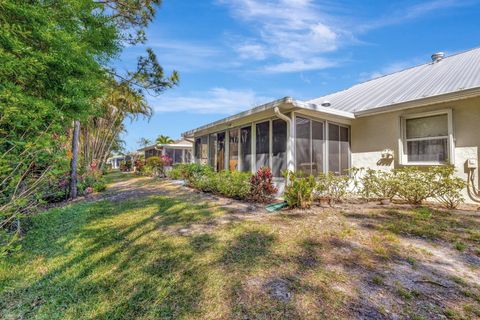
143 142
161 139
102 131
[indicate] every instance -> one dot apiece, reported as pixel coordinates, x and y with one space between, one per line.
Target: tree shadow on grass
69 286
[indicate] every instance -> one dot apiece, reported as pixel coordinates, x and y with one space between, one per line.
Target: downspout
290 141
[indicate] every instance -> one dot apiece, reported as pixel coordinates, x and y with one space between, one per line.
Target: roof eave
260 108
276 103
441 98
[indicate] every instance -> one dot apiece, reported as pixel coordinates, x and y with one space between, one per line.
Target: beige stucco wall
372 134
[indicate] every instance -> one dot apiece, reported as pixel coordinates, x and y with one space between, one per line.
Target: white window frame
403 159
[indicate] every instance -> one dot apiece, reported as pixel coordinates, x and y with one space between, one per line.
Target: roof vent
437 56
326 103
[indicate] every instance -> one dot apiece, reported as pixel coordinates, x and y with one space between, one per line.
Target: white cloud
390 68
301 35
215 100
300 65
252 51
294 32
188 56
403 15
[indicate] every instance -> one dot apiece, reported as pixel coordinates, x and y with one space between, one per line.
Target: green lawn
174 257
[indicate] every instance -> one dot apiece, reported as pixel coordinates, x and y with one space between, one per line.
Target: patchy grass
175 255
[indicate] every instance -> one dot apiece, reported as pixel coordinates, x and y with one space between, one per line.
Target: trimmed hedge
232 184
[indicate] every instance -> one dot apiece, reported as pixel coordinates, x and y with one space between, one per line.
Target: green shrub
99 186
234 184
299 190
331 186
449 188
190 171
415 185
155 166
126 166
261 186
175 173
382 184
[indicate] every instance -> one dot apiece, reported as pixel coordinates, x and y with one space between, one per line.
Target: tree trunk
73 163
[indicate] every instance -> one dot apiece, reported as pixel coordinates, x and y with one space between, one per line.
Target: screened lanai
295 139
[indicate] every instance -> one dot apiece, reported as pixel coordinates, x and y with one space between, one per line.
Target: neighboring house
180 151
115 160
425 116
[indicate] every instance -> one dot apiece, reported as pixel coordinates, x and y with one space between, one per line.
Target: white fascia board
324 110
173 145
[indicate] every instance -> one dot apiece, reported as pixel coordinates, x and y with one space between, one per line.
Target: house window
246 148
262 144
309 145
279 147
426 138
233 150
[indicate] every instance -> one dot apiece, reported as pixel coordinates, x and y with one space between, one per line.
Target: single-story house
427 115
115 160
180 151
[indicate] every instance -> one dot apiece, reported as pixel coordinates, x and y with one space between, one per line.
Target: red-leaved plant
261 186
166 160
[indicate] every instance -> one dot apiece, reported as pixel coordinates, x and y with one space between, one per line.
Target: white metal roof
451 74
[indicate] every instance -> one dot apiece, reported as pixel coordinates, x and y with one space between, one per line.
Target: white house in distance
180 151
427 115
115 160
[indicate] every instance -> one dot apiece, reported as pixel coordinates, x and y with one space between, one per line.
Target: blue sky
235 54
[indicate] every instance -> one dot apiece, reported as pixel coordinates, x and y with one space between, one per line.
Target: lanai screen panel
233 149
212 147
302 145
279 147
338 148
246 148
262 156
220 165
